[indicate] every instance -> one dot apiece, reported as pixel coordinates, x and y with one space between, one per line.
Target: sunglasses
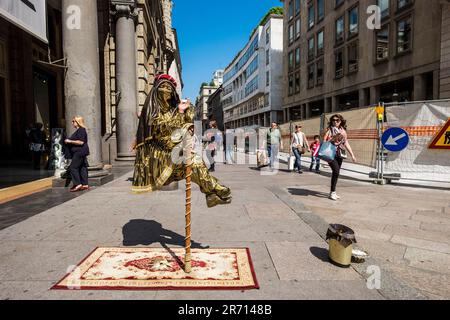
337 120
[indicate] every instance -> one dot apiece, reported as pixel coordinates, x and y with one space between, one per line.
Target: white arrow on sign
393 141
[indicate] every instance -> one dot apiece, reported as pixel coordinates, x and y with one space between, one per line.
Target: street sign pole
382 147
380 150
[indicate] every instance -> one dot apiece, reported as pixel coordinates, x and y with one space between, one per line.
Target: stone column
327 108
334 104
308 107
363 98
420 88
374 95
444 81
82 83
436 85
126 13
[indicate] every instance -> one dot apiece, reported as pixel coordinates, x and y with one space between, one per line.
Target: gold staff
188 149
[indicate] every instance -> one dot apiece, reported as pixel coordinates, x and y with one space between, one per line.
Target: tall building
335 60
215 110
253 86
218 77
201 105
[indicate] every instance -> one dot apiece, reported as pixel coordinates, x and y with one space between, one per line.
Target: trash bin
341 239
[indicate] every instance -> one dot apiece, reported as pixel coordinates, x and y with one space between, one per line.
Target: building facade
215 110
335 58
100 62
31 82
139 43
218 77
253 81
201 105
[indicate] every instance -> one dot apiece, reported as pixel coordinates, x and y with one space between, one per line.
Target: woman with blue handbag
337 135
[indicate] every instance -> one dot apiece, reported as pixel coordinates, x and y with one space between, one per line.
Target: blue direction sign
395 139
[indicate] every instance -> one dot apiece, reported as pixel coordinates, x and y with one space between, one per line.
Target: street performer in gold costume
163 123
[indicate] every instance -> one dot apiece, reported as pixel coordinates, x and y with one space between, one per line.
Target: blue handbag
327 151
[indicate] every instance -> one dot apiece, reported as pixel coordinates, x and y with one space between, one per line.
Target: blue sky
211 33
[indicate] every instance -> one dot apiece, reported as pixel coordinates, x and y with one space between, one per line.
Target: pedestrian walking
78 150
299 144
315 160
274 142
337 134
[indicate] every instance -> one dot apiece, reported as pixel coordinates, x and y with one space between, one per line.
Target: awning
29 15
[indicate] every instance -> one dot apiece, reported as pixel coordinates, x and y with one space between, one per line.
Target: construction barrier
361 131
422 121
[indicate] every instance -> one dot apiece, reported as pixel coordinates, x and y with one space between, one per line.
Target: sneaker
318 171
333 196
300 171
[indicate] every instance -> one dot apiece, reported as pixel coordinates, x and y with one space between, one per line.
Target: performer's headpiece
166 77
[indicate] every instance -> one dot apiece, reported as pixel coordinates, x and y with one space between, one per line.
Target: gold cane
187 257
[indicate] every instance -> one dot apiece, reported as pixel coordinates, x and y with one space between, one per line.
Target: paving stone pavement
281 218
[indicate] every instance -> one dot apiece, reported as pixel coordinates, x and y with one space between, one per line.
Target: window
291 34
401 4
340 30
311 16
291 84
297 28
339 63
267 57
297 6
404 35
382 46
338 3
311 48
291 61
353 57
251 87
311 68
320 10
320 72
353 21
384 8
253 66
291 9
297 82
297 57
320 43
267 78
267 35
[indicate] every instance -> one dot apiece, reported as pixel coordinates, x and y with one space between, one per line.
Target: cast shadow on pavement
146 232
320 253
307 193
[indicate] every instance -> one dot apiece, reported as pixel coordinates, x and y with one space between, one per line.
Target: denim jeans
298 159
272 150
315 161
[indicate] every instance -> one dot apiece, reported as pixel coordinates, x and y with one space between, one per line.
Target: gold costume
161 127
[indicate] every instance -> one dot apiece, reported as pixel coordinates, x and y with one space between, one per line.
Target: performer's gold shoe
223 192
213 200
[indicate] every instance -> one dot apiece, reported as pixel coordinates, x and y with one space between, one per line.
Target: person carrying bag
332 150
299 146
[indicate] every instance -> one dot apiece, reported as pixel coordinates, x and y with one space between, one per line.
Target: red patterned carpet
162 269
